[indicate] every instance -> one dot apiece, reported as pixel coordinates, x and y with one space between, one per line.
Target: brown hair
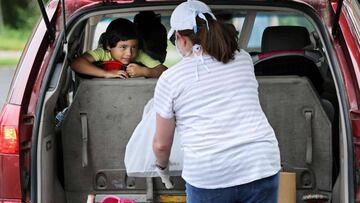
220 41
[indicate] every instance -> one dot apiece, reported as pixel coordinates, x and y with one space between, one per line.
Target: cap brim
170 33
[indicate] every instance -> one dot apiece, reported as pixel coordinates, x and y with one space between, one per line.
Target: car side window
100 28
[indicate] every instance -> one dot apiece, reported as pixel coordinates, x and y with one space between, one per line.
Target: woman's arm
163 139
136 70
83 64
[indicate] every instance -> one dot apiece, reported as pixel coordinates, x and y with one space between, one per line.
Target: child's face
125 51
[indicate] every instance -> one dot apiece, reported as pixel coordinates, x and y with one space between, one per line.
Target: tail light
10 183
9 134
9 140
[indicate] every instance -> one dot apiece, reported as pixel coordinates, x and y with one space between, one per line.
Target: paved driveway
6 74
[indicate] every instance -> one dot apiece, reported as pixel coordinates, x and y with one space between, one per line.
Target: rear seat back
109 111
302 128
277 38
104 114
300 62
284 52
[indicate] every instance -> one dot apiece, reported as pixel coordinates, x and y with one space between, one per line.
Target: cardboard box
287 187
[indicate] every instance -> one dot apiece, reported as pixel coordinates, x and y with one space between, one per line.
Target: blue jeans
262 191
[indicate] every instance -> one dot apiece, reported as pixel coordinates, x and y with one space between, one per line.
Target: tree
1 18
19 13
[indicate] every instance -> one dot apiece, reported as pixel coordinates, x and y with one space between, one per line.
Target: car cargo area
86 123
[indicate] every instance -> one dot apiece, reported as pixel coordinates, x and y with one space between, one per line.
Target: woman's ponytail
220 40
217 39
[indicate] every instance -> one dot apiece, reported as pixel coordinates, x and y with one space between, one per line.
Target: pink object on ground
91 198
115 199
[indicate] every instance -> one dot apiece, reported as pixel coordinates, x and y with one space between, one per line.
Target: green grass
13 40
8 62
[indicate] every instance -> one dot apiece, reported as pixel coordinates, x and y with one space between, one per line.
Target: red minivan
63 137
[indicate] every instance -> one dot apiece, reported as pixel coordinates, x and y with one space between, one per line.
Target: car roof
73 5
322 7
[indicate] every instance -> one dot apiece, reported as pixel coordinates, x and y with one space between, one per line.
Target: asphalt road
6 75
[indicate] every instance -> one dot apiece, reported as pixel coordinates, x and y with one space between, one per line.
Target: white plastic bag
139 156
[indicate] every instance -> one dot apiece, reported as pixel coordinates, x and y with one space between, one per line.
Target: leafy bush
20 17
12 39
27 17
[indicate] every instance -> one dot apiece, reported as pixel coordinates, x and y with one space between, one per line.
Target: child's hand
116 74
135 70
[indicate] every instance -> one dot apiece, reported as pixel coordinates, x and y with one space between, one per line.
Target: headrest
285 38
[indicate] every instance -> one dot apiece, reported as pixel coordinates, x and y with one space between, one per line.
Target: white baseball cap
184 16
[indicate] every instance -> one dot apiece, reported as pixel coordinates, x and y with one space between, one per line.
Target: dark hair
152 34
220 41
120 29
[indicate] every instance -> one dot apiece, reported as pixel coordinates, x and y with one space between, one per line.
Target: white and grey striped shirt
225 135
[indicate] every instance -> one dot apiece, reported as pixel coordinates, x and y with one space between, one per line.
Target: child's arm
83 64
136 70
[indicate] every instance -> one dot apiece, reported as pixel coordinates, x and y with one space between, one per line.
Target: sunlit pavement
10 54
6 74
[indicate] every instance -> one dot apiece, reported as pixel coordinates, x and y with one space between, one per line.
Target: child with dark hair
119 43
152 33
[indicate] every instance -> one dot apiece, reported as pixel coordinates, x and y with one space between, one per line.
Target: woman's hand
135 70
165 176
116 74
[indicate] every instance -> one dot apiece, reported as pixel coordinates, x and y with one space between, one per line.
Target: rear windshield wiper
335 26
50 29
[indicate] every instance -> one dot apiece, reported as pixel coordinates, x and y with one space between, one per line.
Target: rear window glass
264 20
172 55
237 18
100 28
